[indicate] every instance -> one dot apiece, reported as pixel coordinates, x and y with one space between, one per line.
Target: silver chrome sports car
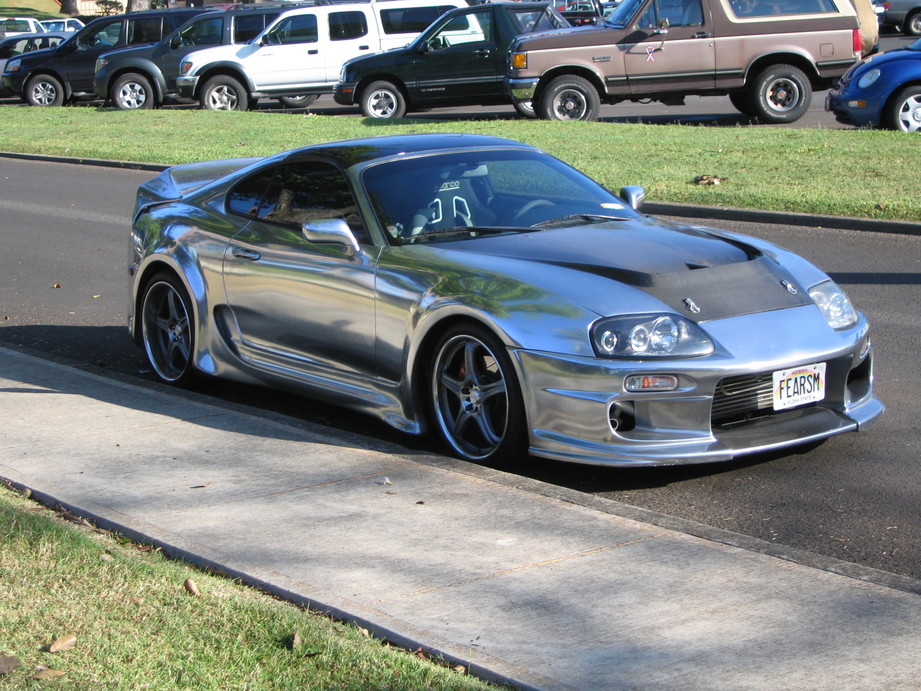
482 288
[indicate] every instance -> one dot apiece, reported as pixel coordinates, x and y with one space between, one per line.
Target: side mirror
331 231
633 195
175 42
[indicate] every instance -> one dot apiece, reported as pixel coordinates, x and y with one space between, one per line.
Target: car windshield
450 196
624 12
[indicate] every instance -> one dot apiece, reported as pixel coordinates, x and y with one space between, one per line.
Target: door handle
243 253
701 34
481 53
313 51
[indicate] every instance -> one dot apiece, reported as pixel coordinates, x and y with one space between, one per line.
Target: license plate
799 385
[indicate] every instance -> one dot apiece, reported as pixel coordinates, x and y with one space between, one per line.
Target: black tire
224 93
525 109
904 110
133 92
475 397
569 97
781 93
44 90
298 101
912 25
742 102
168 330
382 101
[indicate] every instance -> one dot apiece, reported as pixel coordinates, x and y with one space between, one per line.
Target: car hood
693 271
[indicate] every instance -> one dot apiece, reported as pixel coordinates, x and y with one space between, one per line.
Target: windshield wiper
475 230
582 218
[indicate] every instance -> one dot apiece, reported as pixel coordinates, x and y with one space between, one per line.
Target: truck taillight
858 42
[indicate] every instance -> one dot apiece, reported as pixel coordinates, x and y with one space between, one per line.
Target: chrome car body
484 289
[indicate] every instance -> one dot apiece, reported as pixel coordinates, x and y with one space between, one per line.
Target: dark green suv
459 60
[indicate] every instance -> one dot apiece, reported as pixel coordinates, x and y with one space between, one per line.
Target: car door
671 45
288 54
300 306
349 37
79 64
461 63
197 34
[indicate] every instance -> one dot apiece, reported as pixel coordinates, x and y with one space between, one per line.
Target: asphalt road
856 497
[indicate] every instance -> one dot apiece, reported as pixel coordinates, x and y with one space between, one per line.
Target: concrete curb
655 208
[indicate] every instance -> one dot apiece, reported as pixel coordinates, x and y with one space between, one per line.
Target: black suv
457 61
54 77
145 77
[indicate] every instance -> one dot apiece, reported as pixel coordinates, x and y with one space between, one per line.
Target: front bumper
187 86
13 83
863 109
346 93
579 410
521 90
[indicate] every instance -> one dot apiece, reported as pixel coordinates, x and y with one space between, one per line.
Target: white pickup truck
300 54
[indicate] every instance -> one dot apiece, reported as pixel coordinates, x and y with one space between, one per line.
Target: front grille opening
621 417
859 382
743 398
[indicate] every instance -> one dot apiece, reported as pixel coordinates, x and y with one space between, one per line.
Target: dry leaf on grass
191 587
47 673
8 664
63 643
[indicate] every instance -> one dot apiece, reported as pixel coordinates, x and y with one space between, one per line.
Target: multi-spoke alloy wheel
476 398
906 110
382 100
168 330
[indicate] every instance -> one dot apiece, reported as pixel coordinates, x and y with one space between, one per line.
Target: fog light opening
622 417
651 382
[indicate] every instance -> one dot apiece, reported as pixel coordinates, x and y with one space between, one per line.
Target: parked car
481 288
19 44
68 24
458 60
904 15
13 26
581 12
884 90
767 56
65 73
145 76
302 52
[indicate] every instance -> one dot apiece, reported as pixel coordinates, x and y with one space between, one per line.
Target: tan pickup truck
767 55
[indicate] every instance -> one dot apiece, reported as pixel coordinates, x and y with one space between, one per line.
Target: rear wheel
132 92
383 101
476 399
569 97
298 101
168 329
224 93
525 109
905 112
781 93
44 90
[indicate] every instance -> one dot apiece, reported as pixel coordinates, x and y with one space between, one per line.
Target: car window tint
244 199
765 8
346 25
474 27
203 32
305 191
247 27
410 20
103 34
145 30
11 48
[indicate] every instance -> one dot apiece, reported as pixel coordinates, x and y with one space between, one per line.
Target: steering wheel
528 206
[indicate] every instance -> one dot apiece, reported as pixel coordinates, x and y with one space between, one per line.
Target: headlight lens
649 335
12 66
100 63
834 304
868 79
185 66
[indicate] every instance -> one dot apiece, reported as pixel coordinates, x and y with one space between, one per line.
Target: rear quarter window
411 20
780 8
346 25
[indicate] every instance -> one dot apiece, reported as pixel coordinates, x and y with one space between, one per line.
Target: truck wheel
525 109
44 90
569 98
298 101
905 112
781 93
742 102
912 25
382 100
224 93
132 92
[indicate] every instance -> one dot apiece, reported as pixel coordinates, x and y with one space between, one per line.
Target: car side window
145 30
410 20
293 194
301 28
677 12
246 28
204 32
346 25
104 34
765 8
473 27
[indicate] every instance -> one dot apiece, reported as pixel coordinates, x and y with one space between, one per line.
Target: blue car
882 90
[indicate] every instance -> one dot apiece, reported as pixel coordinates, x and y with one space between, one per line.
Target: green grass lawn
862 173
42 9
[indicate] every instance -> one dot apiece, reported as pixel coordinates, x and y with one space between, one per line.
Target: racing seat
455 204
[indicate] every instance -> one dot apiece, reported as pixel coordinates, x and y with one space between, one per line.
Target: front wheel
475 396
525 109
44 90
224 93
905 112
569 97
382 101
168 330
781 94
912 25
132 92
742 102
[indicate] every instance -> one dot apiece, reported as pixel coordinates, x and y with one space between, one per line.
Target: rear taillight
857 42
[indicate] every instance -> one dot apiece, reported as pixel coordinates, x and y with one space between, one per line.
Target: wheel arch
226 70
45 71
890 99
154 266
763 62
152 74
364 82
573 71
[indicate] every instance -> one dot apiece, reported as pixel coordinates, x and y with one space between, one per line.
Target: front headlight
649 335
868 79
12 66
184 67
834 304
100 63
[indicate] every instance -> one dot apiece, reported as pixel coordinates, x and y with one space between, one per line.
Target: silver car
483 289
